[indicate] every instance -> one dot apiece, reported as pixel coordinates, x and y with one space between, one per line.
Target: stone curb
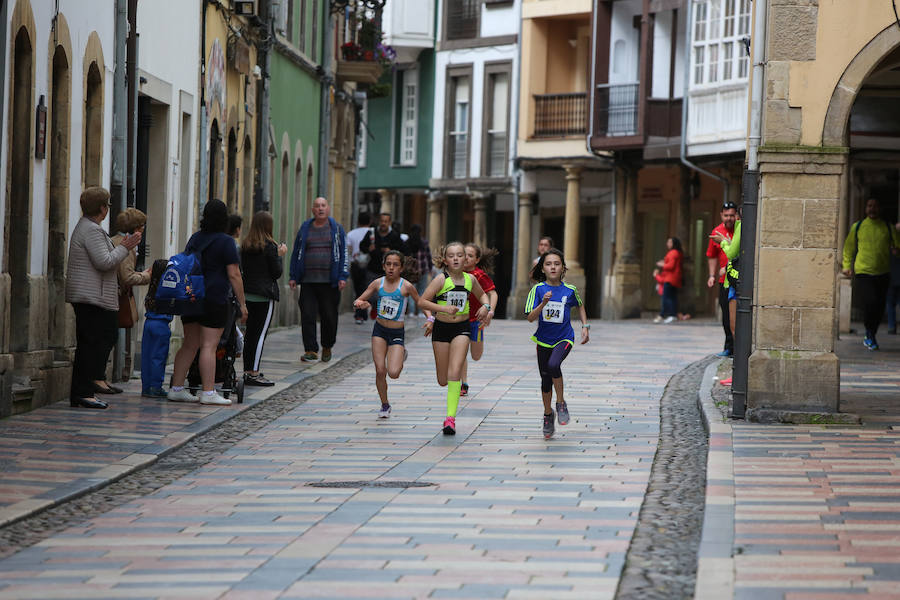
715 564
151 453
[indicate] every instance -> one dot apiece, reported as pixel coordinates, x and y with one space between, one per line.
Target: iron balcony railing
462 19
559 115
617 109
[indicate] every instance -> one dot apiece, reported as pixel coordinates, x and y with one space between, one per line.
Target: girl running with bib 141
391 292
450 333
480 264
550 302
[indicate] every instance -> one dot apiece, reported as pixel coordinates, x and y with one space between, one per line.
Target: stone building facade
828 143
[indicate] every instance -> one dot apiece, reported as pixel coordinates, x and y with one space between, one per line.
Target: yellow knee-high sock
453 388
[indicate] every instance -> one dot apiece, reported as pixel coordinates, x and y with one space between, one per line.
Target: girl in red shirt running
480 263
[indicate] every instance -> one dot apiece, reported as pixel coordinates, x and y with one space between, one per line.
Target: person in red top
669 275
717 260
479 263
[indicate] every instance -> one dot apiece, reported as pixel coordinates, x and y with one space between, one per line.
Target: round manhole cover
371 484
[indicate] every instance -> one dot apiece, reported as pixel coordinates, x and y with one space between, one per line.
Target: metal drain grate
370 484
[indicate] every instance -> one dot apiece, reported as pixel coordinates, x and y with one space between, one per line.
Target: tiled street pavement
55 452
510 515
816 509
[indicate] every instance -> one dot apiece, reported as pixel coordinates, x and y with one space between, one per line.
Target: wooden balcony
560 115
664 117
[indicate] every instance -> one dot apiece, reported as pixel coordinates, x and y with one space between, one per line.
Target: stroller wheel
239 390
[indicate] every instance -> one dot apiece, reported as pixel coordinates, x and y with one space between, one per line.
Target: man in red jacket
716 261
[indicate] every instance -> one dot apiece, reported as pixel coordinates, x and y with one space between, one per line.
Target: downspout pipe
325 108
119 155
750 185
202 141
685 96
261 200
514 166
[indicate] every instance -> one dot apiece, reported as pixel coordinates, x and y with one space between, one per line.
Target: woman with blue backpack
220 266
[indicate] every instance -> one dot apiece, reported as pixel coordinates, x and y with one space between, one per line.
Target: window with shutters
409 112
458 115
496 136
462 19
719 28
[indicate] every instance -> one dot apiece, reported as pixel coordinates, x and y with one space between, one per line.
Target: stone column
793 368
480 204
574 273
627 270
387 201
515 304
435 220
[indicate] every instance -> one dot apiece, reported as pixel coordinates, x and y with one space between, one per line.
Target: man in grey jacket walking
93 291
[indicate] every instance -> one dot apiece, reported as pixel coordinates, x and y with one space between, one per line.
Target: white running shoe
385 411
182 395
668 320
214 399
657 319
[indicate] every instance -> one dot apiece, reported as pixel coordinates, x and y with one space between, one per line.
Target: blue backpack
181 289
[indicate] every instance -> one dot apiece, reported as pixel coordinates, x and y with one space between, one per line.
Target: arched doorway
870 380
231 194
249 176
18 224
93 127
58 201
284 208
309 190
297 214
215 161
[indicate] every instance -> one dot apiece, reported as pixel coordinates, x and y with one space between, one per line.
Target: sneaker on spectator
549 428
214 399
258 380
182 395
668 319
725 353
658 319
154 393
309 357
326 354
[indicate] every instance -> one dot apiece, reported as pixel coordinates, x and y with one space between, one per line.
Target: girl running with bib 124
549 303
392 293
450 333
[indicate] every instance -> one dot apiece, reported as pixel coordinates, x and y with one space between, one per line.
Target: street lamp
339 5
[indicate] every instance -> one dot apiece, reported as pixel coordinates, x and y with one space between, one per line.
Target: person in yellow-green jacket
867 258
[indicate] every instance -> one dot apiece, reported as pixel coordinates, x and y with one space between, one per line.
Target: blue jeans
893 299
154 350
669 301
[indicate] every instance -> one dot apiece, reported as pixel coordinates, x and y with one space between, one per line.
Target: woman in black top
261 261
221 275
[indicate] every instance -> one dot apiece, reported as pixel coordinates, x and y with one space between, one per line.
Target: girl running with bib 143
391 292
450 333
480 264
549 303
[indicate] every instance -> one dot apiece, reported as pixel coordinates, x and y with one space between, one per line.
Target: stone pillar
793 366
627 269
574 273
515 304
480 204
435 220
387 201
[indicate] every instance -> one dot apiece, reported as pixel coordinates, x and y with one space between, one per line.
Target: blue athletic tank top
391 305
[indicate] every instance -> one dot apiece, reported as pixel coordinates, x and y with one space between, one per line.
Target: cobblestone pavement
56 452
510 515
810 512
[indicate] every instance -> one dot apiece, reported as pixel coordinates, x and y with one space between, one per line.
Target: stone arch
298 185
92 155
834 130
19 183
59 152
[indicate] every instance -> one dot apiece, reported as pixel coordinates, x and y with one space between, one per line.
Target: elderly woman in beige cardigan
93 291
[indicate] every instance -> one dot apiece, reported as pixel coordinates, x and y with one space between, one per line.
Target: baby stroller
226 354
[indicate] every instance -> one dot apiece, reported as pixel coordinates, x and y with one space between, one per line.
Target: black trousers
259 317
360 281
96 332
318 300
726 319
872 290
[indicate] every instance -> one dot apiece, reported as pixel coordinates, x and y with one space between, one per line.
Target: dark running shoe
258 380
450 426
549 428
562 413
464 389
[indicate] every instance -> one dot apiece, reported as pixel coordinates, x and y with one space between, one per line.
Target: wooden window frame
453 73
487 111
